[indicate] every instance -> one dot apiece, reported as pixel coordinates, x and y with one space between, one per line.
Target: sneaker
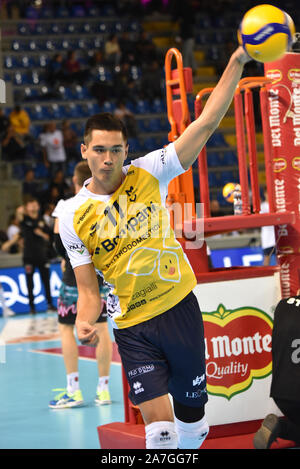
65 399
103 397
7 312
267 433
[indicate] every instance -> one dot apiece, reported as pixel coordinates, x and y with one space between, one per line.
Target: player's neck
105 187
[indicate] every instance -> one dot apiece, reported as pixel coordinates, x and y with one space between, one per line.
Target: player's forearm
191 142
88 308
221 98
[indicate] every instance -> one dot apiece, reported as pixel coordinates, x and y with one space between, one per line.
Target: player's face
105 154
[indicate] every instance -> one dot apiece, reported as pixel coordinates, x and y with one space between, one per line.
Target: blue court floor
29 370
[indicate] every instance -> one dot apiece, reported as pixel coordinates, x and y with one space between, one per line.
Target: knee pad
191 435
161 435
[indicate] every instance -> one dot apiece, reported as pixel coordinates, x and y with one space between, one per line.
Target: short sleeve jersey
128 237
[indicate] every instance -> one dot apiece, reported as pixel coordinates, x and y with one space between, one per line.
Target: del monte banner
238 321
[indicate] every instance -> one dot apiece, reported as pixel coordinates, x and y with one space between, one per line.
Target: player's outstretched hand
86 333
242 55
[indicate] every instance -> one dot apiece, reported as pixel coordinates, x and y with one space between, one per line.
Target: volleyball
266 33
228 191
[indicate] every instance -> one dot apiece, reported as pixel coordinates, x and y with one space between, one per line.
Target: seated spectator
59 182
125 88
13 146
20 121
146 49
127 117
112 50
11 246
30 184
13 226
55 72
4 123
54 154
70 142
128 49
151 81
97 59
73 70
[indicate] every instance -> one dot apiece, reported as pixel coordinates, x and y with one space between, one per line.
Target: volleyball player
67 310
117 224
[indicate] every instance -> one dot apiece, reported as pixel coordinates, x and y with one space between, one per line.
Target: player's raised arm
88 304
190 143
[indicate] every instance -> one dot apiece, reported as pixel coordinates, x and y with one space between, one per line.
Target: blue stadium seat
36 130
62 12
133 26
80 92
142 107
42 60
227 176
65 93
10 62
154 125
39 112
30 93
213 160
41 172
212 180
19 171
21 78
158 106
32 13
55 111
72 110
216 140
230 159
134 145
102 28
150 144
28 61
78 11
47 12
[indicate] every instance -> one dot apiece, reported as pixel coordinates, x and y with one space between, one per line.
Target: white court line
60 355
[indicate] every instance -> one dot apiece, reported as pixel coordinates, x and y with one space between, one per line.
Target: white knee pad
161 435
191 435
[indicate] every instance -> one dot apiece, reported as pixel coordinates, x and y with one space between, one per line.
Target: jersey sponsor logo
235 359
77 247
87 210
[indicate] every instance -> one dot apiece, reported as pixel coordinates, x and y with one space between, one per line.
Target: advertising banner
13 281
238 320
284 121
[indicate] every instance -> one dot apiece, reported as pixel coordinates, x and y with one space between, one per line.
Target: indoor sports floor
31 365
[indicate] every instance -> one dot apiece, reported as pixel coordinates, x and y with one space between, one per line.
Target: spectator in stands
128 49
185 14
112 50
20 122
4 123
97 59
54 154
30 184
10 246
55 73
152 81
13 226
13 146
123 113
70 141
36 236
59 182
125 88
146 49
73 70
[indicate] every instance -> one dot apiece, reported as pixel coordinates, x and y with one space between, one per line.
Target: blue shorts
166 354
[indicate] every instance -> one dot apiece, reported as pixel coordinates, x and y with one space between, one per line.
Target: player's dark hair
103 121
82 172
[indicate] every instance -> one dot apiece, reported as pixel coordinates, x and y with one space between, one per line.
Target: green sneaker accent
65 399
103 397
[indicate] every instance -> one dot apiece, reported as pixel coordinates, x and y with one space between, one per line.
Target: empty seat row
28 29
76 11
57 45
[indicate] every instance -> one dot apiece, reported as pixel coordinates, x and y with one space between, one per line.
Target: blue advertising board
13 280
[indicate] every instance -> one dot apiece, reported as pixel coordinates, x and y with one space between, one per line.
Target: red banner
284 121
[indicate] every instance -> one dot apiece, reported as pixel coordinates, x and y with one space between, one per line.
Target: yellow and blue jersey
128 237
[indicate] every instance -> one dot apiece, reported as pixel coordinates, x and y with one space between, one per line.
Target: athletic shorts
166 354
67 305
